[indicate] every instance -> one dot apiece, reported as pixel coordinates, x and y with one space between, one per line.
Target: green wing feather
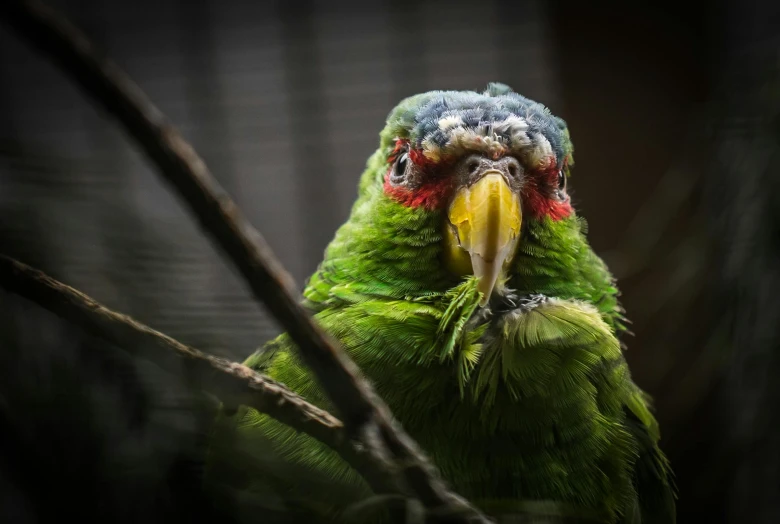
532 407
657 494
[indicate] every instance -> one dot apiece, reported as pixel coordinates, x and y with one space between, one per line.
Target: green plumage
528 405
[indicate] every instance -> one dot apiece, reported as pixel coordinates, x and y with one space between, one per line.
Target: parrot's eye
398 176
561 192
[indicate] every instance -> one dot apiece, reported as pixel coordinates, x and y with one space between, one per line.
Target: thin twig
362 411
231 382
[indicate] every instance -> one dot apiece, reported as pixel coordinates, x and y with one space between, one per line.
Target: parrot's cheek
482 231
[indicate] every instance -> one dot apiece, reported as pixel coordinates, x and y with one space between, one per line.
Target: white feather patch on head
542 152
517 128
450 121
493 145
431 150
487 138
481 139
511 124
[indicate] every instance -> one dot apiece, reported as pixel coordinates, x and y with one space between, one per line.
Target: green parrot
464 288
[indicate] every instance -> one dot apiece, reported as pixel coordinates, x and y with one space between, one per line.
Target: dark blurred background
673 109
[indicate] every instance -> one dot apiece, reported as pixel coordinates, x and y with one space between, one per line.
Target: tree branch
229 381
362 411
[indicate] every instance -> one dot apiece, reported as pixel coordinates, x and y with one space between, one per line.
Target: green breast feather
525 403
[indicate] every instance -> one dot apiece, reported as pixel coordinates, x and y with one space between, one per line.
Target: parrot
464 288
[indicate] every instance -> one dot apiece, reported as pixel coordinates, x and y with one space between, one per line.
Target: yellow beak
482 231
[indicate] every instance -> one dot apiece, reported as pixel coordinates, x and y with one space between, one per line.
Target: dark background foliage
673 109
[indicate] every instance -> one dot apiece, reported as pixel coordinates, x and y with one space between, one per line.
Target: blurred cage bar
284 101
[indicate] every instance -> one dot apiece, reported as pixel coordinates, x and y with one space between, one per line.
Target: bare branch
231 382
362 411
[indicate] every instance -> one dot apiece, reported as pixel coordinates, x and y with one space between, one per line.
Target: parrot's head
469 183
486 163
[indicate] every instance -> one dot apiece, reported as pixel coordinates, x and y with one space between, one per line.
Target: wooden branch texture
361 410
233 383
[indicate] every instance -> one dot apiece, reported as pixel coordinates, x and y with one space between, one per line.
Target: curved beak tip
487 272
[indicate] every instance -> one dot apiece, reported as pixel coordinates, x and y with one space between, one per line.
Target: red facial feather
433 194
540 206
535 195
400 145
436 190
